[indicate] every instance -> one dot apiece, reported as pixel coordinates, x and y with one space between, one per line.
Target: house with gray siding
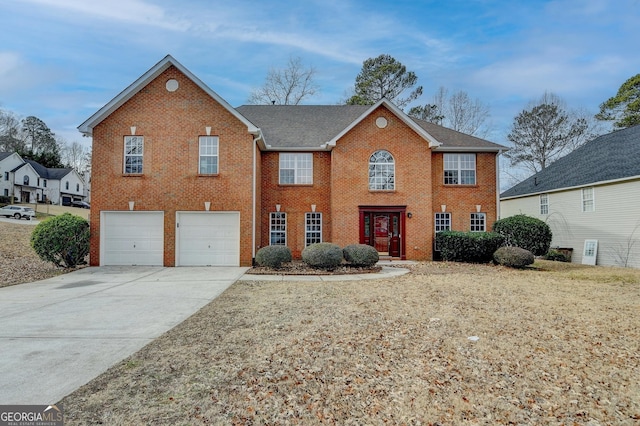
590 198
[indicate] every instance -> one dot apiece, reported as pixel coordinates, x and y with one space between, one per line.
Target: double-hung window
296 169
208 162
459 169
544 203
278 229
588 202
382 171
443 223
133 151
478 222
312 228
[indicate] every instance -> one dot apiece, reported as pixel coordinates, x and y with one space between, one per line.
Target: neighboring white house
590 195
8 162
31 182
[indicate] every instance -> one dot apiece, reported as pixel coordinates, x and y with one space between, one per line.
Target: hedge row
322 255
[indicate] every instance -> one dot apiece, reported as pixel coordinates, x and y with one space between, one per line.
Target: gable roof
4 155
318 127
86 128
609 157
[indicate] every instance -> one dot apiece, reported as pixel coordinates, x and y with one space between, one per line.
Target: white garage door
208 239
132 238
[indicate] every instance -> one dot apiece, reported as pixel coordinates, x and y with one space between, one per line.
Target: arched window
26 180
382 171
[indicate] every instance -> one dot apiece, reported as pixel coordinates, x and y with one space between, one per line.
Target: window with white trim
382 171
208 157
478 222
312 228
278 229
459 169
588 202
296 169
544 203
442 223
6 175
133 151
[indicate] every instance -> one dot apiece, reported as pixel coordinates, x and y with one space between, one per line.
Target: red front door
381 233
382 230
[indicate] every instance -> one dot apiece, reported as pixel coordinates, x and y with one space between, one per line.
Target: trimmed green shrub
62 240
322 255
525 232
513 257
361 255
556 255
273 256
473 247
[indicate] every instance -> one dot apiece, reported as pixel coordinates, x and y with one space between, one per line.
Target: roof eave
433 142
86 128
444 148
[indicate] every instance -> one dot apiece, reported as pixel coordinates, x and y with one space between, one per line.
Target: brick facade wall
350 181
296 200
461 200
171 123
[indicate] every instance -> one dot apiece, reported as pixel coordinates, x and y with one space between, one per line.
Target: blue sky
61 60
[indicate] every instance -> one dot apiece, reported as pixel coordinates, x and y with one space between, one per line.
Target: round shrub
514 257
62 240
273 256
525 232
322 255
361 255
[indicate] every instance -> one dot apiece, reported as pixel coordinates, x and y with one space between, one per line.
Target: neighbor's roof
47 172
610 157
315 126
86 128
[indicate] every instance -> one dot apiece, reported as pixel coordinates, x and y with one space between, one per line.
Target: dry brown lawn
557 345
18 262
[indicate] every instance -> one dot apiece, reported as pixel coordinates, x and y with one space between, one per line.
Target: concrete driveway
58 334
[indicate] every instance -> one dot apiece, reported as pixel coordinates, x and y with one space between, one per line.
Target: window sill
208 175
132 174
455 185
382 191
296 184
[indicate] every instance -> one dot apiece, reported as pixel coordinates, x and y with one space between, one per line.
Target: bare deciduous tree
458 112
75 155
288 86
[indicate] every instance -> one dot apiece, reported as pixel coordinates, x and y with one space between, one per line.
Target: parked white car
18 212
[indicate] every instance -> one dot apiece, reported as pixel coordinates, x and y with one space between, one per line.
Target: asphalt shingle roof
310 126
608 157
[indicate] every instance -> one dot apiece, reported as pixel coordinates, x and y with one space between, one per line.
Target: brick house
179 177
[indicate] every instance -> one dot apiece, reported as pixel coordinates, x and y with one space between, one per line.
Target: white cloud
131 11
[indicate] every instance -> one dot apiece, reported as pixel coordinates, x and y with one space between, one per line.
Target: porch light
409 215
131 205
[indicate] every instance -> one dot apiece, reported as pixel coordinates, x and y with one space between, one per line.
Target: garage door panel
132 238
208 239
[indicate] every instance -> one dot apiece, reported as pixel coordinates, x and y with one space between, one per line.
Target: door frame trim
367 209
